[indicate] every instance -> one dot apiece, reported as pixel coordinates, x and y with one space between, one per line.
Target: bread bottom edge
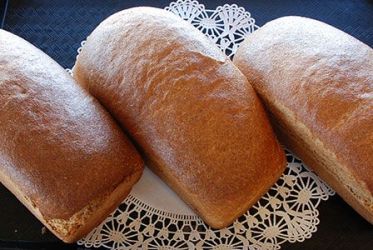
326 176
103 207
220 222
294 142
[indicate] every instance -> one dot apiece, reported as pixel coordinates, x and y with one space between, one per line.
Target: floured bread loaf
190 110
317 82
61 154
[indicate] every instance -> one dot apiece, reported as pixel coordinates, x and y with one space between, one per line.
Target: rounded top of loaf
191 111
325 77
59 147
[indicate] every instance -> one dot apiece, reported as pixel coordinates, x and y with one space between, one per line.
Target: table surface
57 27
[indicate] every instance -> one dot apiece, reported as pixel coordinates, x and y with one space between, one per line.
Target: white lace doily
154 217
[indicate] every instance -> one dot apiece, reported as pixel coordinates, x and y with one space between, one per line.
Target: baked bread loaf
190 110
61 154
317 83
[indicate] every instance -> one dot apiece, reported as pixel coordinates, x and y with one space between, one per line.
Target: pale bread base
323 161
217 220
82 222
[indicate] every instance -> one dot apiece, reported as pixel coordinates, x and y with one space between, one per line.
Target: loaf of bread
317 83
61 153
190 110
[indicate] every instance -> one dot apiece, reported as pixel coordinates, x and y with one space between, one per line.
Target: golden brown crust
318 82
59 147
193 114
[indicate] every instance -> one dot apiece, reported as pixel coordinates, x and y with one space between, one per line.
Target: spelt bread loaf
317 83
193 114
61 154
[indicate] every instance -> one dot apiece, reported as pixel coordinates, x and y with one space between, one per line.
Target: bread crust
193 114
60 151
317 82
82 222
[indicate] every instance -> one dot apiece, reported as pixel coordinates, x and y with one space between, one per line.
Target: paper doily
154 217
